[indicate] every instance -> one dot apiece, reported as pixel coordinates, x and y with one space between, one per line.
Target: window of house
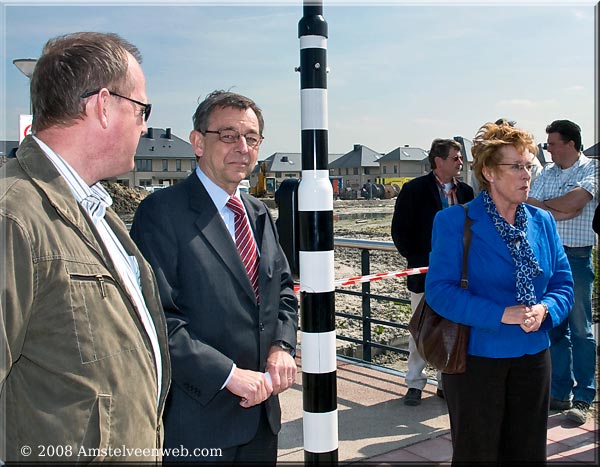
165 165
355 171
178 165
384 169
193 164
143 165
367 171
340 171
145 181
346 170
395 169
277 174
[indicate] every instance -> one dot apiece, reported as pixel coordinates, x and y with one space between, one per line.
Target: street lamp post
26 66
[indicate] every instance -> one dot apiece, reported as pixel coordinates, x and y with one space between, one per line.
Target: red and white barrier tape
374 277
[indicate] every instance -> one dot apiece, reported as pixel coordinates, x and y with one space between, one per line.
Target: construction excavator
265 186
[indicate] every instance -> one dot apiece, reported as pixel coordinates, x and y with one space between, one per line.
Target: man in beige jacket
84 364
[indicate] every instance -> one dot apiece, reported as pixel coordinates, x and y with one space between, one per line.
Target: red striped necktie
244 241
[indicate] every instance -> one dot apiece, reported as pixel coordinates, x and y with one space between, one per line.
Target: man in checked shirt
567 188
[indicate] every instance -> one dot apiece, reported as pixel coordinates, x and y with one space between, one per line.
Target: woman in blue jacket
520 286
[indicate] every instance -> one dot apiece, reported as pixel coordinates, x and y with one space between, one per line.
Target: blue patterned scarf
515 238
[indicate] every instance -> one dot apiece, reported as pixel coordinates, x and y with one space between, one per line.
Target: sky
400 73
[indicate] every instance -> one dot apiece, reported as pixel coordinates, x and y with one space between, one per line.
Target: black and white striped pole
315 211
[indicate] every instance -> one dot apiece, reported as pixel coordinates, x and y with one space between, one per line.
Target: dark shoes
440 393
557 404
413 397
578 413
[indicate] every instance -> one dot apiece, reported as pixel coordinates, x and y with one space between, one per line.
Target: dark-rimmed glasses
519 167
229 136
147 108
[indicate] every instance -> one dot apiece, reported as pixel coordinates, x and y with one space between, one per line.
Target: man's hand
282 368
252 386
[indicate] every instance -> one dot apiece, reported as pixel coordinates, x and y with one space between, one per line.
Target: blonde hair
488 141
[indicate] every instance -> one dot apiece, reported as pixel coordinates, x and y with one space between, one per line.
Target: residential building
404 162
282 165
356 167
161 159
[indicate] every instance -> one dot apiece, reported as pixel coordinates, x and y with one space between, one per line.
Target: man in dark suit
416 206
231 336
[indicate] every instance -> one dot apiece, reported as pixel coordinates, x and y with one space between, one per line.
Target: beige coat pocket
102 322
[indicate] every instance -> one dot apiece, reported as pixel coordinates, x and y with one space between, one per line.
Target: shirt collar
580 160
94 199
453 181
216 193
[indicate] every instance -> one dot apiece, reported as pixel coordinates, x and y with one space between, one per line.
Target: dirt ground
348 264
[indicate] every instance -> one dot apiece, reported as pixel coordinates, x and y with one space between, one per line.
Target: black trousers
499 409
260 451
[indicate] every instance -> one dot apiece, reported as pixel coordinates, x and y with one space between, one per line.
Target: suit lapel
534 231
435 192
485 230
214 232
487 234
150 294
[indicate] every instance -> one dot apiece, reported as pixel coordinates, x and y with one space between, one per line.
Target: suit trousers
499 409
415 375
261 450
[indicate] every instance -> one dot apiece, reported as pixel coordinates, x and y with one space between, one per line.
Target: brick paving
376 428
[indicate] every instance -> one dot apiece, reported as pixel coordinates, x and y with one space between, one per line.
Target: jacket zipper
99 278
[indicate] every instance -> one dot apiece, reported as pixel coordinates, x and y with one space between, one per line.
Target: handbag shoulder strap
464 280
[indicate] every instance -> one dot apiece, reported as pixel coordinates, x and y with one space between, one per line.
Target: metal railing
367 342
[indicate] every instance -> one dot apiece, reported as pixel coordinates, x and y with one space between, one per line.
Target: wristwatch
287 347
545 311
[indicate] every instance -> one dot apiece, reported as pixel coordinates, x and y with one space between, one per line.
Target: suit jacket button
261 326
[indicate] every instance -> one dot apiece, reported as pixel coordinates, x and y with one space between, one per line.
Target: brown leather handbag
443 343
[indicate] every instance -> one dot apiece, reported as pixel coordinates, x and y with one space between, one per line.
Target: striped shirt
220 197
95 199
554 182
447 192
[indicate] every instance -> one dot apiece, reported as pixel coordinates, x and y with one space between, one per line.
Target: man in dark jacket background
416 206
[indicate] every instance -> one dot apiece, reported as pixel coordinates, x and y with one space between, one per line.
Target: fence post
365 268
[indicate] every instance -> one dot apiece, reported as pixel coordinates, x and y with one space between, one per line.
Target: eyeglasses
147 108
519 167
457 158
253 140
